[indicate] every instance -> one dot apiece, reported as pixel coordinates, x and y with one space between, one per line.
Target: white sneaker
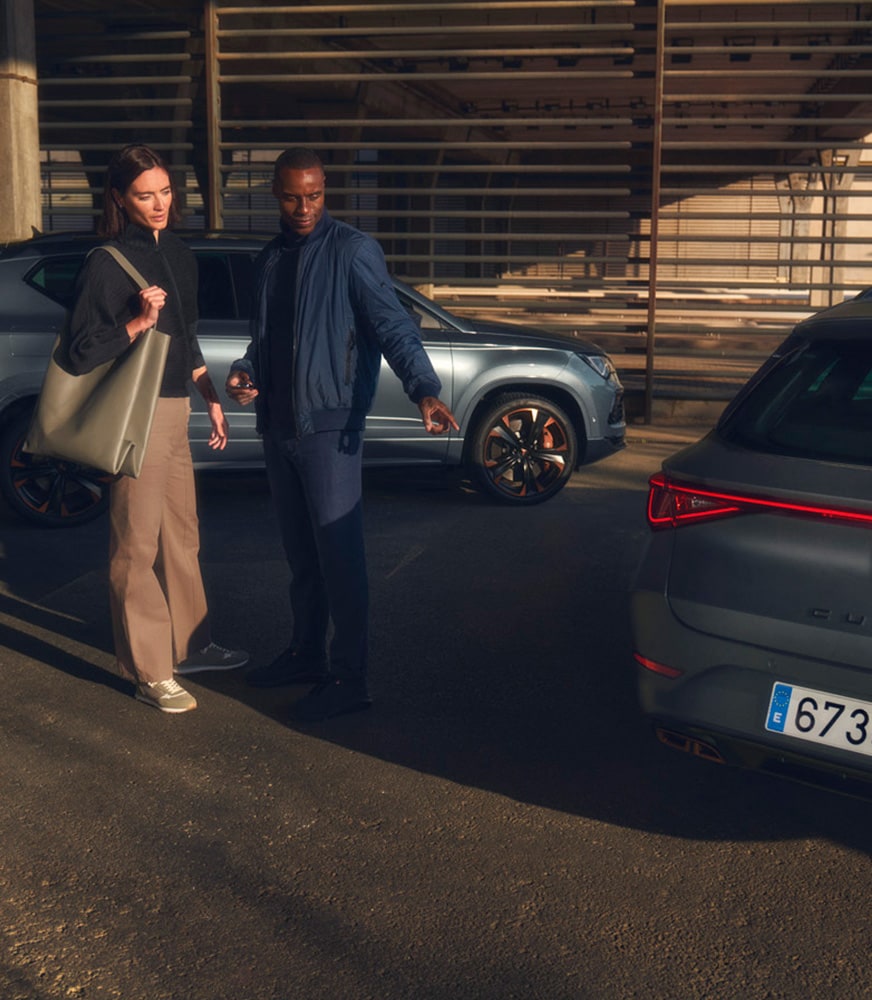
168 696
212 657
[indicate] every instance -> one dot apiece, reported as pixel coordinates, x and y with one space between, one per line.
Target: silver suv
532 407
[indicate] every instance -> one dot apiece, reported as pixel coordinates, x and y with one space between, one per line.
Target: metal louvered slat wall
761 175
456 133
767 121
659 177
106 79
573 163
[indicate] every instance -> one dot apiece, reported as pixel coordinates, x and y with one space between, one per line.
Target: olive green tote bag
102 418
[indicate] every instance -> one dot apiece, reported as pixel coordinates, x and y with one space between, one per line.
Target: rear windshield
815 403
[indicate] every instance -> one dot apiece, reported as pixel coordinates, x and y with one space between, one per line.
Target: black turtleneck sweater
107 298
281 307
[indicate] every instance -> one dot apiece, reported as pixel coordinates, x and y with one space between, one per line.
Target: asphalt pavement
500 826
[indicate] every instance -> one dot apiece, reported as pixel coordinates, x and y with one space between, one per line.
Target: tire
46 491
524 449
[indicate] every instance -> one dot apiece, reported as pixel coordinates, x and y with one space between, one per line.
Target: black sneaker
337 696
290 667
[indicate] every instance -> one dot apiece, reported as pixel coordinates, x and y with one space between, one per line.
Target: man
324 313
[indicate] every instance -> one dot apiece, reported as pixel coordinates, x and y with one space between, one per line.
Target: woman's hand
220 427
151 301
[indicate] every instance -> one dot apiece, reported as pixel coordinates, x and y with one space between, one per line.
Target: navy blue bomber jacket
347 315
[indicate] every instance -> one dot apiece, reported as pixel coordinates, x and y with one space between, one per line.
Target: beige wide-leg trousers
158 604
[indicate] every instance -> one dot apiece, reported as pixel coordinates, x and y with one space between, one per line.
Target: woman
159 614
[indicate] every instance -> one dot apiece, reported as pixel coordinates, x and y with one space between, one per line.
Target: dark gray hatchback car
752 608
531 407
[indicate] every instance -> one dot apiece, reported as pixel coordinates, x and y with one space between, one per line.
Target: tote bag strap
124 262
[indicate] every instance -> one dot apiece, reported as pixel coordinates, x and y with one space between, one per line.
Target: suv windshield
816 403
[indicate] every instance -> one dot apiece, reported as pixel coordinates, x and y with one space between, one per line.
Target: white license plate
819 717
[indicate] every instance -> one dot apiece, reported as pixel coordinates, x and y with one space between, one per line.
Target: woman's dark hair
124 167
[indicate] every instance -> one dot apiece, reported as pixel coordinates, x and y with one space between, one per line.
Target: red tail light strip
671 504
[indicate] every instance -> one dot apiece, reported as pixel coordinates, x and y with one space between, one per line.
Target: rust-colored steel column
213 202
20 205
656 154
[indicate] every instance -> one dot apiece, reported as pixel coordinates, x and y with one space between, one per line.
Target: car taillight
672 504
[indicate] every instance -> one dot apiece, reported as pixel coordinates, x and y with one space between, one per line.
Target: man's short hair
298 158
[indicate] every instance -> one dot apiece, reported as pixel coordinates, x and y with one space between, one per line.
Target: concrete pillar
20 205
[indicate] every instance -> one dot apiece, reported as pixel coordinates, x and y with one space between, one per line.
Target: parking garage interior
664 178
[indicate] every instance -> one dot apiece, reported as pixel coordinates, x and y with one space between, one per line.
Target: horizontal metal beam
599 287
792 262
111 147
147 35
413 54
731 97
707 4
421 6
452 213
774 143
670 212
766 24
798 121
120 102
757 168
508 258
424 144
727 193
486 193
482 238
757 239
384 30
113 58
71 167
502 122
427 75
112 81
142 125
564 169
752 48
767 73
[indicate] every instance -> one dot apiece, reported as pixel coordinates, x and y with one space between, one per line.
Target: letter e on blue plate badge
778 706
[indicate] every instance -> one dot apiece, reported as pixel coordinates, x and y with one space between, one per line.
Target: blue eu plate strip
778 707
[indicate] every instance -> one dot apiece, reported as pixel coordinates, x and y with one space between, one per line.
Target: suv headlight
601 364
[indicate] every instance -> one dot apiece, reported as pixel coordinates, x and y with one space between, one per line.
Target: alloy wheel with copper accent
524 449
46 491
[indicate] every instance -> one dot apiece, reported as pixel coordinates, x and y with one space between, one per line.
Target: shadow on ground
501 654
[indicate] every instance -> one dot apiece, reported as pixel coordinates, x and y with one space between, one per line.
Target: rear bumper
711 745
721 697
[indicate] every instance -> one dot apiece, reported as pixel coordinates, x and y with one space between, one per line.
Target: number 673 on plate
820 717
